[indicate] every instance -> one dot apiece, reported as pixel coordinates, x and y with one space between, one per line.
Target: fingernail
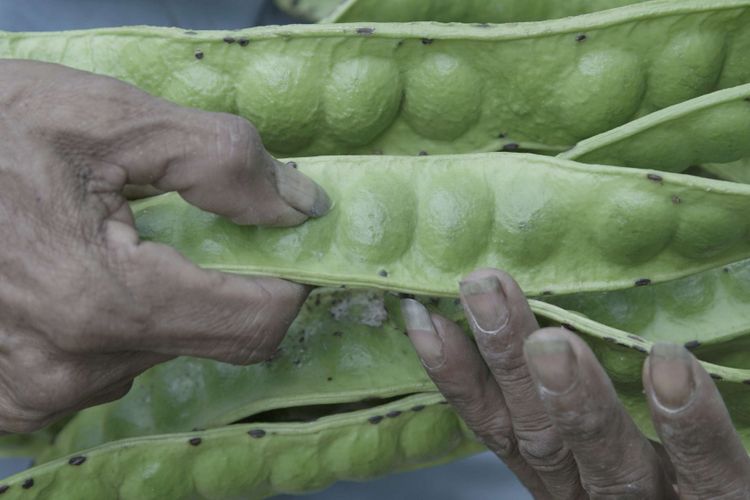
553 363
301 192
422 333
671 372
486 303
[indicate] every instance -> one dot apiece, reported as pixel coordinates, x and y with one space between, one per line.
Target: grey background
478 477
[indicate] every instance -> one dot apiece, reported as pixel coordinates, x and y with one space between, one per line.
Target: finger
500 317
115 134
694 426
187 311
614 459
454 364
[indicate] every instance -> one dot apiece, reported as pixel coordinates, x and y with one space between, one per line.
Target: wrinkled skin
539 399
85 306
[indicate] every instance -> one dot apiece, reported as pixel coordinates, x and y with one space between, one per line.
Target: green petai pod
712 128
736 171
395 221
309 10
427 87
466 11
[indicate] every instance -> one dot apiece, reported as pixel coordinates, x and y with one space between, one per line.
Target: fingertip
300 191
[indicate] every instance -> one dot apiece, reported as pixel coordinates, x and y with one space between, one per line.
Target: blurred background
479 477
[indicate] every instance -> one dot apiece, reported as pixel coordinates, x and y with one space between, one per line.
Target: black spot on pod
199 54
77 460
511 146
640 349
716 377
726 269
329 379
547 292
338 334
365 31
610 339
692 344
482 25
28 484
190 33
568 326
654 177
375 419
747 99
244 42
229 39
423 153
417 408
643 282
636 338
580 37
676 199
195 441
292 164
383 273
393 414
256 433
427 41
4 488
746 382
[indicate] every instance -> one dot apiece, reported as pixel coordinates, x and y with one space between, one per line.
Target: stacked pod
382 89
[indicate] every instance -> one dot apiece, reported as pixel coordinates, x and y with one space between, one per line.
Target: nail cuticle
423 334
485 303
673 381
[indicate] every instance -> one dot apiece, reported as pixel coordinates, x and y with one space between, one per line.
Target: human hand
540 401
84 305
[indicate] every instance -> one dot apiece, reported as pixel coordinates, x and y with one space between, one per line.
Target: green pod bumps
408 88
467 11
254 461
713 128
418 224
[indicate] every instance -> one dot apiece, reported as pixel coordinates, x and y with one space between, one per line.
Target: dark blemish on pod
393 414
640 349
547 292
418 408
244 42
610 339
643 282
229 39
747 99
77 460
256 433
28 484
400 43
726 269
338 334
511 146
423 153
501 135
635 337
482 25
199 54
292 164
654 177
190 33
383 273
195 441
746 382
296 362
716 377
365 31
676 199
581 37
456 302
376 419
329 379
692 344
427 41
568 326
4 488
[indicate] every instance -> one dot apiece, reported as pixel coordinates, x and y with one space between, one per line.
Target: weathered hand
540 400
84 305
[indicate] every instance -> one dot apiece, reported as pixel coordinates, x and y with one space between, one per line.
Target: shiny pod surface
427 87
466 11
712 128
418 224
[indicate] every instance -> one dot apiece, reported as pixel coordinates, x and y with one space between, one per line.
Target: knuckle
544 450
237 143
